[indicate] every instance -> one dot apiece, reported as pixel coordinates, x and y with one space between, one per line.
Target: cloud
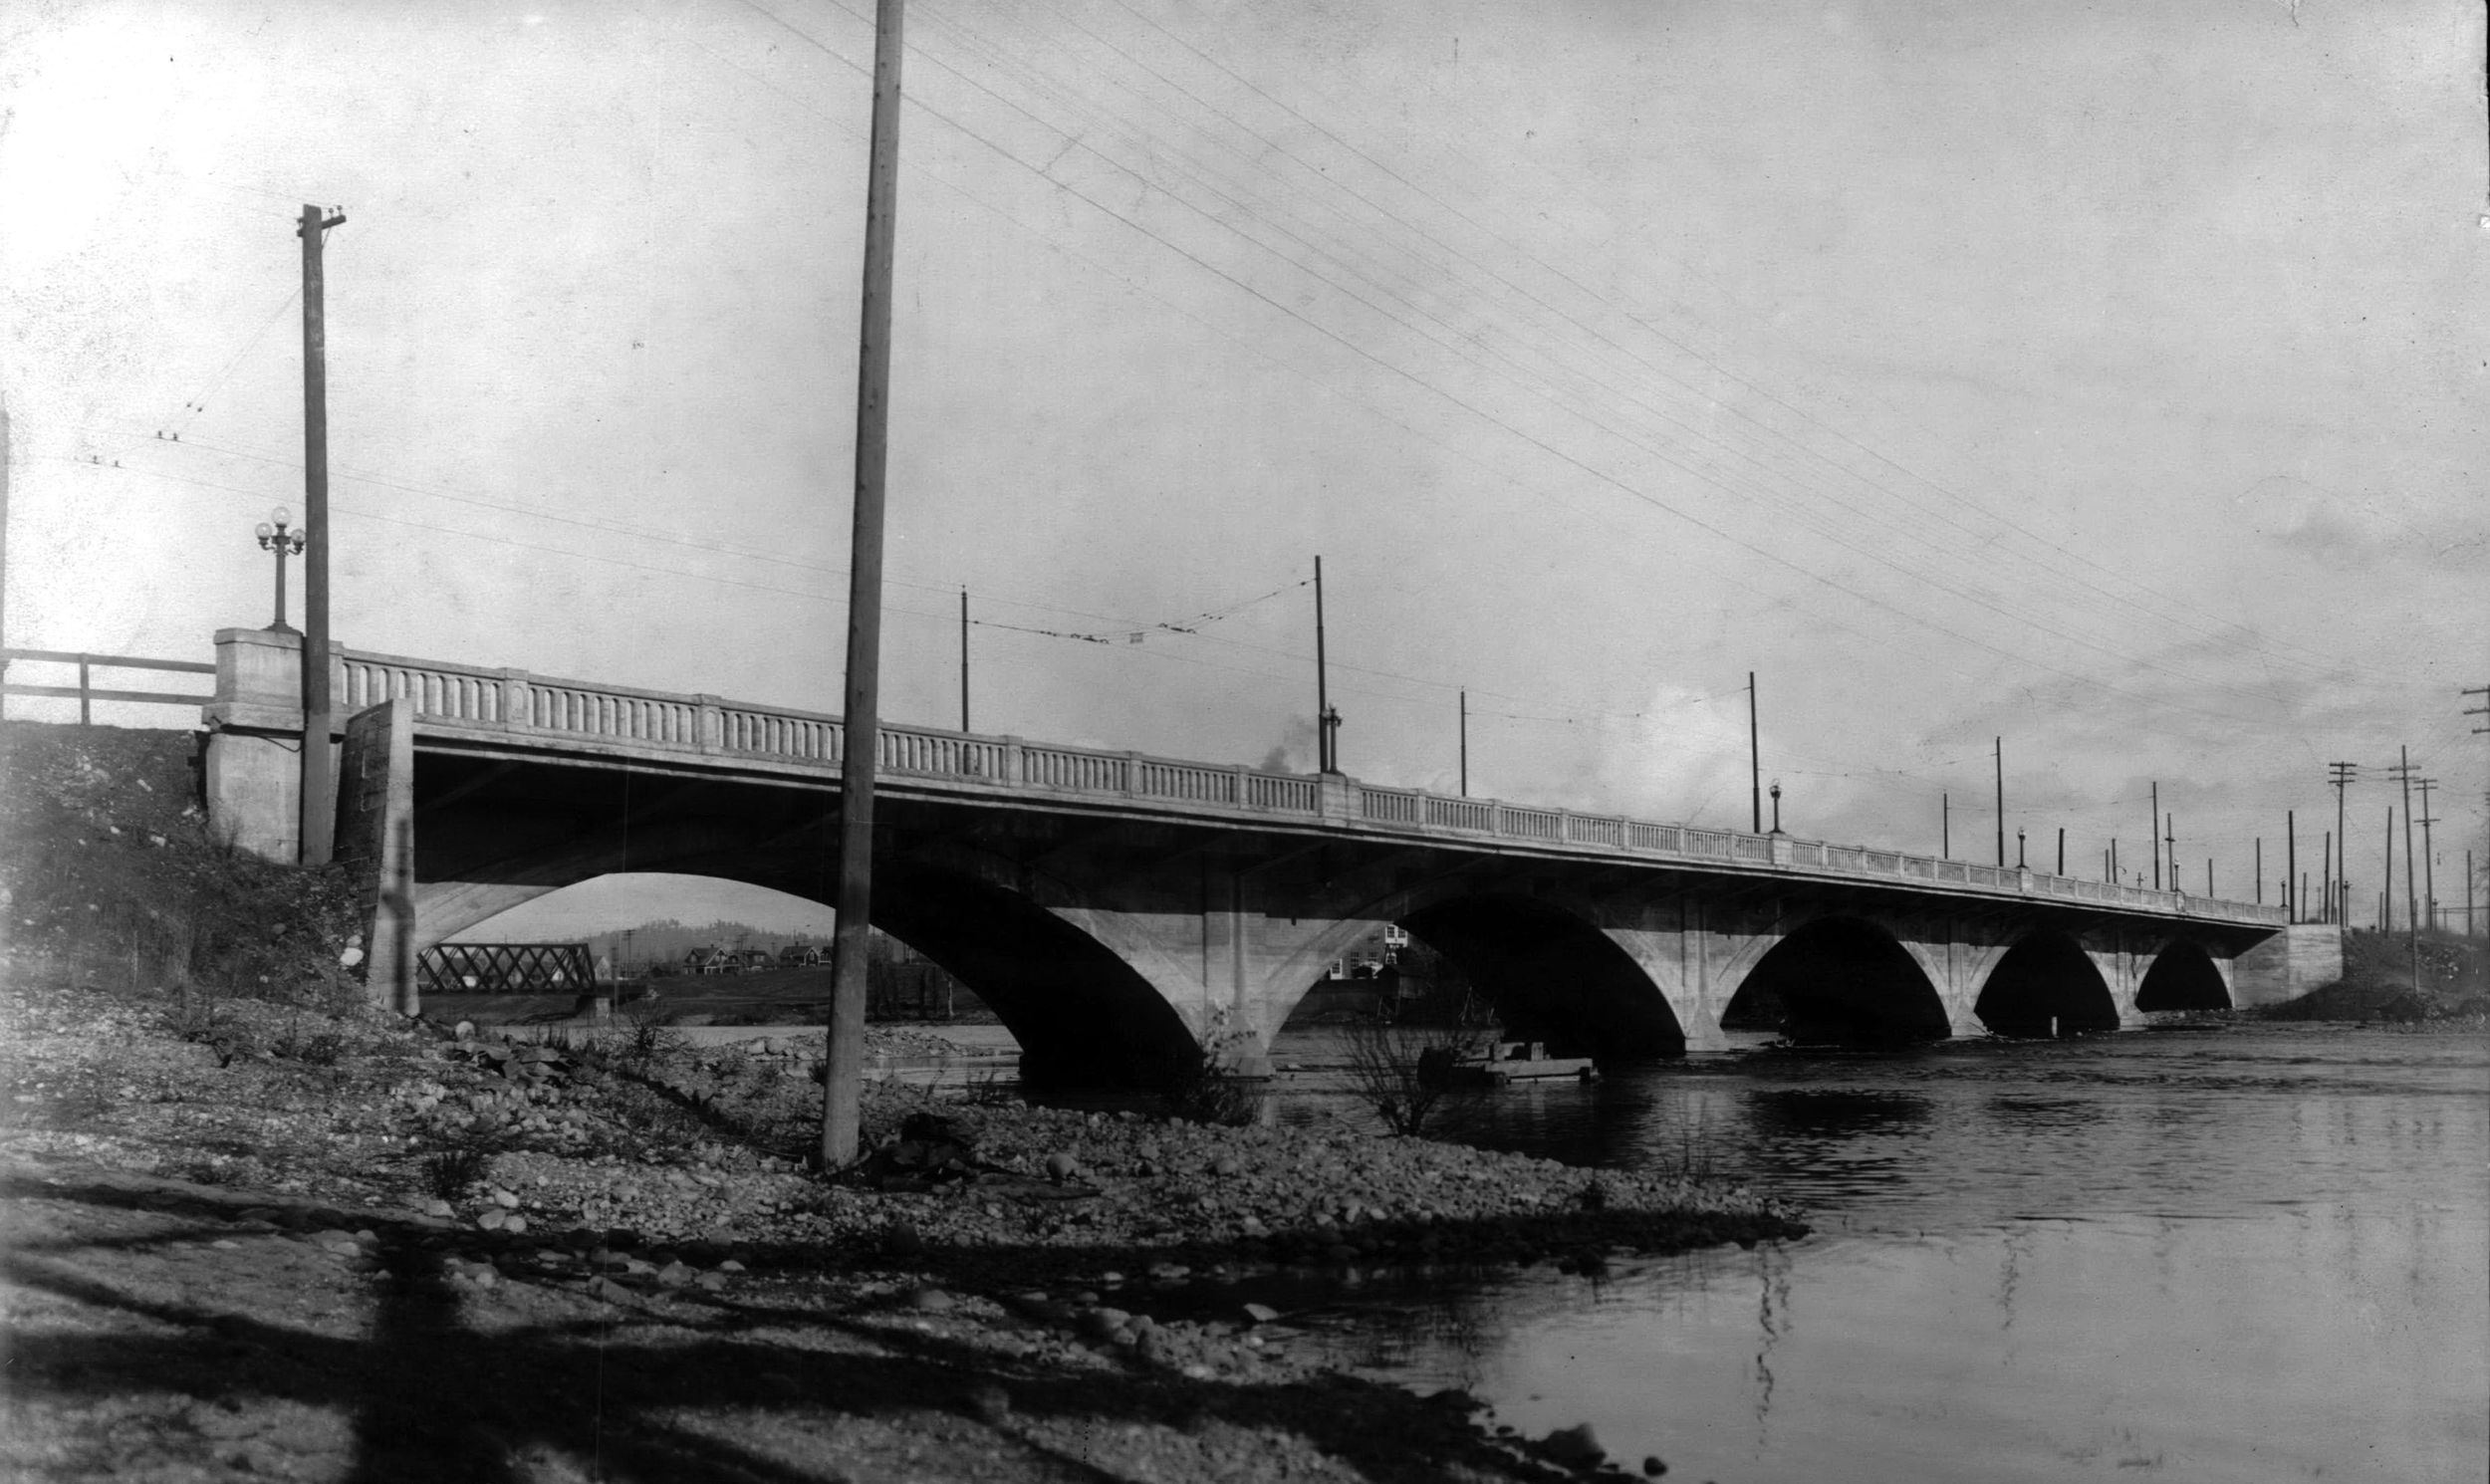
2359 533
1684 758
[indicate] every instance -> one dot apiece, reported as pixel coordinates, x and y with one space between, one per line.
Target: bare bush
464 1158
1198 1083
1389 1068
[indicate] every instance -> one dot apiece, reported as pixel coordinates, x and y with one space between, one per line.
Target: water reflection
2245 1255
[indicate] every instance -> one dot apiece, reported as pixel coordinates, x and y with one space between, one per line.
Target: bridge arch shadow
2047 985
1551 976
2183 977
1838 980
1082 1015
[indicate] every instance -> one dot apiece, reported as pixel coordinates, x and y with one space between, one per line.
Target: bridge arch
1081 1011
1839 979
2046 985
1552 975
1082 1014
2183 977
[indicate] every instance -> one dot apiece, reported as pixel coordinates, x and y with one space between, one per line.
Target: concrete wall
254 767
375 839
2296 962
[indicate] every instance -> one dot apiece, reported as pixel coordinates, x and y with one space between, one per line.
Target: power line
1711 474
1983 511
1420 383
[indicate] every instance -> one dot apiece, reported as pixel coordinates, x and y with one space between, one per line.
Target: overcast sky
2108 377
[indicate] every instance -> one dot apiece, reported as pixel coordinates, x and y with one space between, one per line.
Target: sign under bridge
506 969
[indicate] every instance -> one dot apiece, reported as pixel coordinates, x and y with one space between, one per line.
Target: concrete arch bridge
1114 908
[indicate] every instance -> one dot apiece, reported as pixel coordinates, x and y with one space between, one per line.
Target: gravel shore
661 1188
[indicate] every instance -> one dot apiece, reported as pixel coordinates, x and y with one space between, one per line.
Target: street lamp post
276 535
1776 792
2019 865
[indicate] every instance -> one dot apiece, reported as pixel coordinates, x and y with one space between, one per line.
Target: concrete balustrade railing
255 688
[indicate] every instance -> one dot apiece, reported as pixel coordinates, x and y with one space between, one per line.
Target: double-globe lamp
277 535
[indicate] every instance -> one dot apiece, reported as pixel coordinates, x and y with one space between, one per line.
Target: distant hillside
635 951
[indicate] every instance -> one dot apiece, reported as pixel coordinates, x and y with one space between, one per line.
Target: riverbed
2251 1253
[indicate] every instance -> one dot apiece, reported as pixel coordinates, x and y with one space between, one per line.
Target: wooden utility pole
1465 744
1323 740
2001 802
2062 850
2260 873
2291 865
2386 898
1945 826
2149 843
843 1072
320 788
963 659
2430 874
2340 776
2402 770
1754 755
2326 880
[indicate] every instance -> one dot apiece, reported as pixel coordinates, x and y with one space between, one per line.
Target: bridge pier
254 764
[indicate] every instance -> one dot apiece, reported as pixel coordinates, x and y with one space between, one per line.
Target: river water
2249 1253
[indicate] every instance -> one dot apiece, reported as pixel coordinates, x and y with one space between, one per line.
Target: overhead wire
1362 351
1454 339
1835 585
2057 549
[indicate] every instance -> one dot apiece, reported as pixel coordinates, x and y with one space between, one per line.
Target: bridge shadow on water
780 1381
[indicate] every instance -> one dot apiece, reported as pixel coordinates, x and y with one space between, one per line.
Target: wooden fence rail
85 691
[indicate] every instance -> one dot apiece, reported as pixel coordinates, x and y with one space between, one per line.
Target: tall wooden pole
2001 802
843 1071
1465 744
1754 754
2386 898
1322 683
2411 892
320 790
1945 826
2260 864
2429 869
963 659
2291 865
2340 776
2152 836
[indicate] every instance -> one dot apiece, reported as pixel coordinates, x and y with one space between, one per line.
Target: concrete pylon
377 837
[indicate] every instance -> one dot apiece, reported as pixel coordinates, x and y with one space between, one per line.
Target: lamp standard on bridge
2019 865
276 534
1776 792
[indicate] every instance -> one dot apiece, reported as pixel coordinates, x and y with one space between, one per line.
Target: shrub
1197 1085
466 1158
1388 1069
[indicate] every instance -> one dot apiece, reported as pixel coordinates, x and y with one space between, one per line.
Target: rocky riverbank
639 1183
